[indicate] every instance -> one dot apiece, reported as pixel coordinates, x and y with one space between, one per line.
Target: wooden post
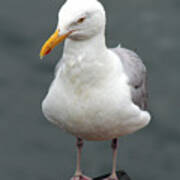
120 174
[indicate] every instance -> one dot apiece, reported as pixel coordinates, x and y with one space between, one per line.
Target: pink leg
114 146
78 173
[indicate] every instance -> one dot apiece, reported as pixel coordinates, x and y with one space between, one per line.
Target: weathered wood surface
121 175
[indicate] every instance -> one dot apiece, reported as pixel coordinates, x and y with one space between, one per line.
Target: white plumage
91 97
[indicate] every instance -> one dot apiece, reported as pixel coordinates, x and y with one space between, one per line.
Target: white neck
90 47
87 62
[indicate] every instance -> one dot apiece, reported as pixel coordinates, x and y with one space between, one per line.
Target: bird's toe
81 177
114 177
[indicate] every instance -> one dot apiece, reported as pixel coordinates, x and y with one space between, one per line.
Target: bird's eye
81 20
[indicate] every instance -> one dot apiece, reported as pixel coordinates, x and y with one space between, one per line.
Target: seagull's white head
78 20
84 18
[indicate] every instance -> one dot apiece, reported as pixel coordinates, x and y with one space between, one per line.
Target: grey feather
136 72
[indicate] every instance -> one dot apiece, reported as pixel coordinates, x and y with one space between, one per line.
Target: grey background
33 149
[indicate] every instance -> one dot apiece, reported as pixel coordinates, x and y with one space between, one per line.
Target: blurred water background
32 148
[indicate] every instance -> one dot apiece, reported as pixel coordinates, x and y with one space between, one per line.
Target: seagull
98 93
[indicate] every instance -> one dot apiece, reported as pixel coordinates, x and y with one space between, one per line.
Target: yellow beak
52 42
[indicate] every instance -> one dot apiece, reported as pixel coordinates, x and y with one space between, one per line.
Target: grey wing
136 72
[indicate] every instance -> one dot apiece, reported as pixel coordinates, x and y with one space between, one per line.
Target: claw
112 177
81 177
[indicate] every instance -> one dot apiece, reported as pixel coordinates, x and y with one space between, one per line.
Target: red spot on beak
48 51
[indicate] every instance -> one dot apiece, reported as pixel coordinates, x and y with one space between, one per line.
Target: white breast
92 100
